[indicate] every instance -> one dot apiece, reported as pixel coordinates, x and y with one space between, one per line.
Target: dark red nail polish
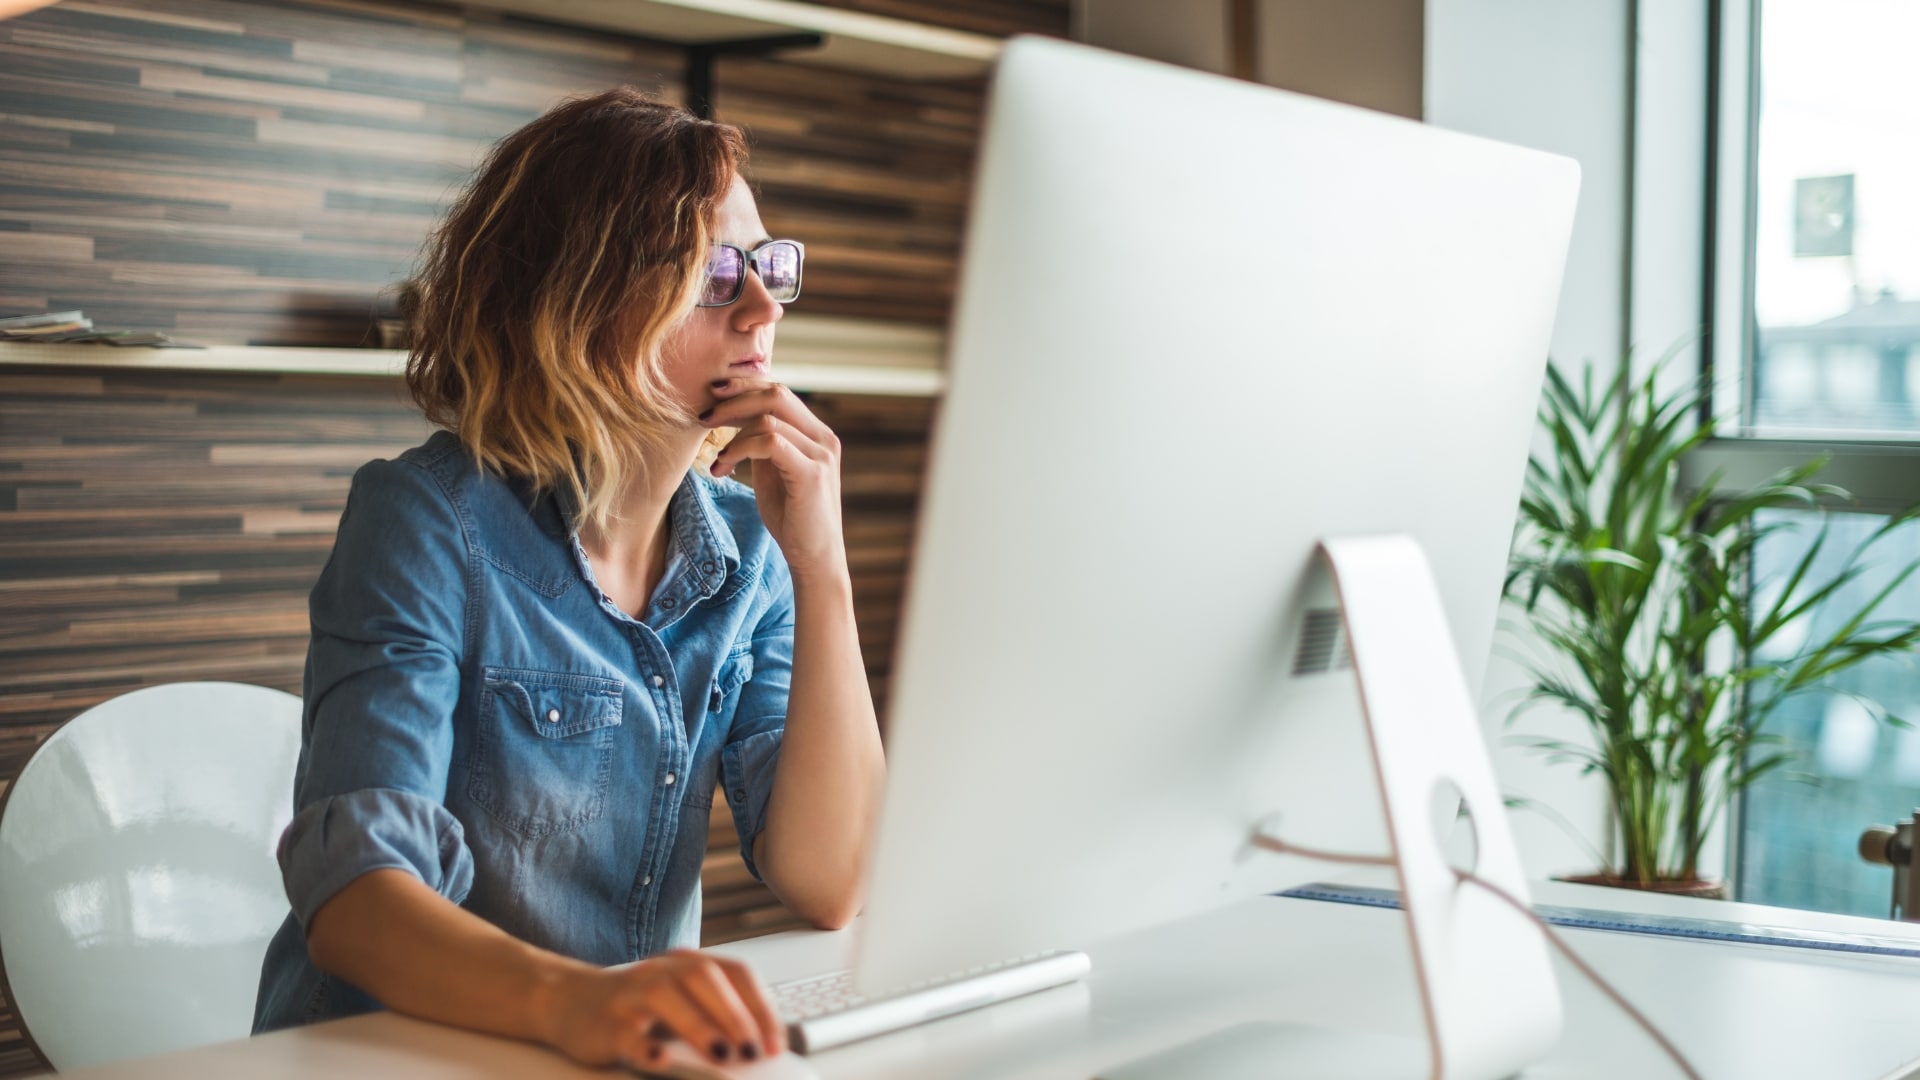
718 383
719 1050
749 1052
706 414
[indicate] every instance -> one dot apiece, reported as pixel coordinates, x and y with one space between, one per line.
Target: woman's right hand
623 1014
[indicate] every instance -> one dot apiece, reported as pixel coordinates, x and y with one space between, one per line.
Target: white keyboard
804 999
825 1011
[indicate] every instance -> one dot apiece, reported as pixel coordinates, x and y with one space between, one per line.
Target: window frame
1869 466
1727 253
1882 475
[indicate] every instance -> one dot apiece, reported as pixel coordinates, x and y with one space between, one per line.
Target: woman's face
725 342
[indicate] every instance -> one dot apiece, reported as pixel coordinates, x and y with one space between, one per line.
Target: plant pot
1702 888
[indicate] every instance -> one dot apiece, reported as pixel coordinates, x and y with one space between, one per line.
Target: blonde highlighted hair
543 301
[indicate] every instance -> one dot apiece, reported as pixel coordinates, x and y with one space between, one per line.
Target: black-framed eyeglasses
776 261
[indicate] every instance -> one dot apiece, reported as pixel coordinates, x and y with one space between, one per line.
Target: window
1818 321
1801 823
1836 220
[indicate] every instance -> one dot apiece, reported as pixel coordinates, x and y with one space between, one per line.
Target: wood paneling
142 543
17 1059
257 173
160 527
163 526
246 173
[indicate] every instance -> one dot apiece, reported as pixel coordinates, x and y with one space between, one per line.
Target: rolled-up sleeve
340 837
752 752
382 682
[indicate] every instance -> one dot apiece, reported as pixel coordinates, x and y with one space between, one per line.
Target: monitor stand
1487 987
1486 981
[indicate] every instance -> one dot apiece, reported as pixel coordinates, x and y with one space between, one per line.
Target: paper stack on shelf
53 326
74 327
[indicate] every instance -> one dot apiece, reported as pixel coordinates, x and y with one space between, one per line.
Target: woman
545 632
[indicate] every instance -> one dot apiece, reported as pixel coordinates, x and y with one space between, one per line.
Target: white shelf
828 341
263 359
828 355
855 40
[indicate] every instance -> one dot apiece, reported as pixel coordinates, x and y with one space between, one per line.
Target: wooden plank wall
261 173
164 527
258 173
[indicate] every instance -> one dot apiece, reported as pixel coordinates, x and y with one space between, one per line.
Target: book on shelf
73 327
51 318
52 326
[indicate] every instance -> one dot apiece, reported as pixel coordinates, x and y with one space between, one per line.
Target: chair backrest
138 885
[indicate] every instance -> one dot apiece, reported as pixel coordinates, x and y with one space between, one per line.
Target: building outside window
1828 361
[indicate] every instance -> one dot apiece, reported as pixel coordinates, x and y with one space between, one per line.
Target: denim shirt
478 714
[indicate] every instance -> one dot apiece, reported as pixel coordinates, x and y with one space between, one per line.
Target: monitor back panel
1201 324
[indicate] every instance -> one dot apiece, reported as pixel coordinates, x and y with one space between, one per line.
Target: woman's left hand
797 480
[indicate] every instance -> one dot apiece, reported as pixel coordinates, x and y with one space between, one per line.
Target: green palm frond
1631 590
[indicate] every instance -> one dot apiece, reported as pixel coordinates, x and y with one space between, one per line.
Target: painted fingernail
718 383
706 414
749 1052
719 1050
653 1051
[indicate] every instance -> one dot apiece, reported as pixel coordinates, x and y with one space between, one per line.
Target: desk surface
1744 1011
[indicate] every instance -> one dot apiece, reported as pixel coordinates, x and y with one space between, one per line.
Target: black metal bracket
701 54
700 60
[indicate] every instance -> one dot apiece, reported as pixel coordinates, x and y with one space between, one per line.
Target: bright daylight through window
1836 247
1835 356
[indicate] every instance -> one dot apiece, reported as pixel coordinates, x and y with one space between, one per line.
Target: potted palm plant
1645 622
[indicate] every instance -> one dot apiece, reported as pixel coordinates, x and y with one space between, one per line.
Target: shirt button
553 716
668 602
739 795
648 880
669 778
707 566
659 681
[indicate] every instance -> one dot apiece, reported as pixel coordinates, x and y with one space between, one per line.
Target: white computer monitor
1201 325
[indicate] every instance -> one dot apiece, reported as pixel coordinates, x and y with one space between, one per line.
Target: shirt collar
701 551
702 534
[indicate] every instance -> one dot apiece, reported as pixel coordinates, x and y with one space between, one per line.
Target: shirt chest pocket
734 674
543 749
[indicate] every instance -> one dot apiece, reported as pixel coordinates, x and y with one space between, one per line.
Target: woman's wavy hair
543 301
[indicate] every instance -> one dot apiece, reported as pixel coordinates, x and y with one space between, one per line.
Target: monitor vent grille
1323 645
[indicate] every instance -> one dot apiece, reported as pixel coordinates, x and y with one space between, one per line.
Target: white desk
1740 1011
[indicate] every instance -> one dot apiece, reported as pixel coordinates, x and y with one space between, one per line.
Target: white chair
138 885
